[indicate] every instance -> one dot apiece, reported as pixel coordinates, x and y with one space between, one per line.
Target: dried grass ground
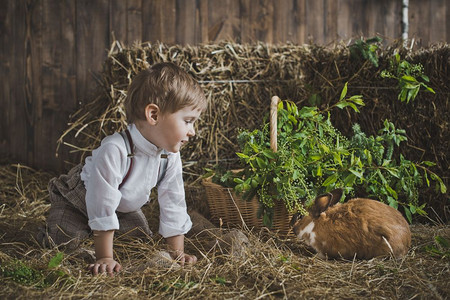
256 265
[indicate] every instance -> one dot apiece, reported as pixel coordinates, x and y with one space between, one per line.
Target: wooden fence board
20 123
344 20
392 10
419 29
168 15
263 21
134 21
152 20
283 26
316 21
201 16
300 13
437 20
185 21
118 20
93 33
224 20
447 21
51 50
331 28
7 39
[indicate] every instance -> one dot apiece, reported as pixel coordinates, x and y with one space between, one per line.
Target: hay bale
239 80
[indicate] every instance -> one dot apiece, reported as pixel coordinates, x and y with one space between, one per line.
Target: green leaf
261 162
269 154
392 202
425 77
408 214
315 157
344 92
219 280
402 95
356 173
442 241
430 89
426 178
267 221
408 78
357 99
350 180
428 163
238 180
391 191
319 171
369 156
381 176
355 108
443 187
420 210
393 172
307 112
330 180
325 148
342 104
55 260
337 158
242 155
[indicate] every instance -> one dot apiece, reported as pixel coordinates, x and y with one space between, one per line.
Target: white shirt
103 173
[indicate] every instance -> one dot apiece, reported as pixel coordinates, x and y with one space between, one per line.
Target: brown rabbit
362 227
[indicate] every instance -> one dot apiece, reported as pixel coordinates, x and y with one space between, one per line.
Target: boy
107 193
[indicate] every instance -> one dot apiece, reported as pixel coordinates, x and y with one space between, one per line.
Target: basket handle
273 122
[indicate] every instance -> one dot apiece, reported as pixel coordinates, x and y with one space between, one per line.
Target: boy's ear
152 113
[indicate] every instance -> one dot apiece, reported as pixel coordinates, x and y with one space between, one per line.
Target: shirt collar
141 143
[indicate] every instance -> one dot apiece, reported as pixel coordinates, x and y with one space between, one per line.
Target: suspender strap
162 166
130 149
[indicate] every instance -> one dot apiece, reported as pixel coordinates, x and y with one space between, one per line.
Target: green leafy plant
367 49
19 272
410 77
313 157
176 284
440 249
22 273
220 280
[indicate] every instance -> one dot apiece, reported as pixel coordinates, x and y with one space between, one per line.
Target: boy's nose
191 132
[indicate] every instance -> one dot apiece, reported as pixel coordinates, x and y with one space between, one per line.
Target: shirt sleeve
102 190
174 219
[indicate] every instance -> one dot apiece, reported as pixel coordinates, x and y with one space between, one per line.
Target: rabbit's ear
335 196
320 205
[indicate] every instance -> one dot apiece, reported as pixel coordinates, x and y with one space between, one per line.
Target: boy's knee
56 237
133 224
66 226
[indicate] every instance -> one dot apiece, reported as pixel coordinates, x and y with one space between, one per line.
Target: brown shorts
67 222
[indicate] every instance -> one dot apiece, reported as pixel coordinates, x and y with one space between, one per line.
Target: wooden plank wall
51 50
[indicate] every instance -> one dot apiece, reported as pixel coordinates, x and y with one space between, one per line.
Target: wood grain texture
52 50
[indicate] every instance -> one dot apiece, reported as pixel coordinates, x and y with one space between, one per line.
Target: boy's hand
183 258
105 265
176 250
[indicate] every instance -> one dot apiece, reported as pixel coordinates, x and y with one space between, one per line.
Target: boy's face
175 129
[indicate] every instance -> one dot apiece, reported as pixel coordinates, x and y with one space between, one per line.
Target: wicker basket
232 210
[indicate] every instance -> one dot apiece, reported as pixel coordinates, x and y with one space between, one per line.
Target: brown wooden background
51 50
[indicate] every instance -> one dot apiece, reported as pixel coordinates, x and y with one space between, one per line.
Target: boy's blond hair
166 85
